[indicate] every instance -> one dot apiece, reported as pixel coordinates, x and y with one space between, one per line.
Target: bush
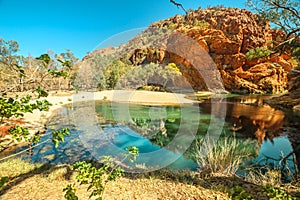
275 193
97 177
238 192
202 24
258 52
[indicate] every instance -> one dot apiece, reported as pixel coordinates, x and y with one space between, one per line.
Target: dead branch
179 5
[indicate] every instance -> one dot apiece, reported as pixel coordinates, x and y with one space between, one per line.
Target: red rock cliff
227 34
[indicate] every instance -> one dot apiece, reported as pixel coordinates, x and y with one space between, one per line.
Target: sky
82 25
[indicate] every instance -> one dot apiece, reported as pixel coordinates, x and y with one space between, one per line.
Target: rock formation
227 34
290 100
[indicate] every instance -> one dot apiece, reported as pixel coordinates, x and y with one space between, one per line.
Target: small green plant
41 92
56 73
70 192
3 180
10 107
19 133
238 192
202 24
133 152
59 136
172 26
76 88
97 178
173 68
15 108
277 194
258 52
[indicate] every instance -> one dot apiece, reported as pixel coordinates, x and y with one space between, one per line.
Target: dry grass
28 181
224 156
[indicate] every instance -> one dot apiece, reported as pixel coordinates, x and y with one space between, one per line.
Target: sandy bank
59 99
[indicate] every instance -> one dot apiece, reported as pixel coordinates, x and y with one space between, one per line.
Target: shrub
275 193
238 192
258 52
97 177
202 24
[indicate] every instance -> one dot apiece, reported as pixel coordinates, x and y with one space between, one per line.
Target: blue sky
81 25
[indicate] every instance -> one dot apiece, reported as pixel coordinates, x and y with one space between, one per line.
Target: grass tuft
224 156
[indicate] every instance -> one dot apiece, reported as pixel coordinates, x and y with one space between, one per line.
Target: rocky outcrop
290 100
226 34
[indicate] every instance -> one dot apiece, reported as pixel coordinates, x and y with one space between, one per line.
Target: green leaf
3 180
44 57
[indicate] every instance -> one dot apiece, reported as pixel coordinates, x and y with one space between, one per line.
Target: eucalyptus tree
284 15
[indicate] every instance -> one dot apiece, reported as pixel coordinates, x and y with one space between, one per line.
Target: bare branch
178 5
290 9
293 32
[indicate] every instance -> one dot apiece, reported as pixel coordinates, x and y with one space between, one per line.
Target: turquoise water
166 135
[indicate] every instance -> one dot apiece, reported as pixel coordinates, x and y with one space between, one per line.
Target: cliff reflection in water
260 121
249 117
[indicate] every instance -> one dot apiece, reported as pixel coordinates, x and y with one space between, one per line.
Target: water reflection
261 122
274 130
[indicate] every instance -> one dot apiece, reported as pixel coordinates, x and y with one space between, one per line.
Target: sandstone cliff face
226 35
292 99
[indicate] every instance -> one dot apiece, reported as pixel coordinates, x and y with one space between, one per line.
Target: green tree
60 67
171 71
114 72
13 107
283 14
68 62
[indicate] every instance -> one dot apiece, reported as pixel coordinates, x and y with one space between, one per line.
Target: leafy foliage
19 133
70 192
202 24
59 136
97 178
285 15
133 152
114 72
150 74
238 192
282 13
258 52
10 107
19 73
41 92
56 73
3 180
44 57
277 194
